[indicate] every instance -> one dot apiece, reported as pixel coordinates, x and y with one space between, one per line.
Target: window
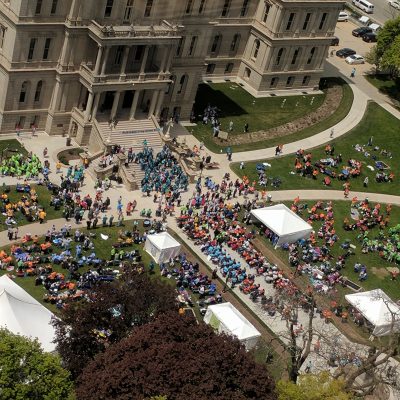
46 49
189 6
245 6
228 68
31 51
118 55
210 68
306 21
109 7
181 84
225 8
290 81
22 94
279 56
192 45
2 35
290 21
202 6
247 73
306 80
38 8
128 11
266 12
179 47
256 49
310 58
235 42
54 7
215 43
139 53
295 54
274 82
149 6
323 19
38 90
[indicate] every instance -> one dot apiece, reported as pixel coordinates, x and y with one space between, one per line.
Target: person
246 127
45 152
242 165
332 133
110 221
277 150
308 367
353 73
230 126
58 167
366 181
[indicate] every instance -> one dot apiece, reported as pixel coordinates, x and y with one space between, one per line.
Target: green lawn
378 123
10 145
43 200
238 105
386 85
378 275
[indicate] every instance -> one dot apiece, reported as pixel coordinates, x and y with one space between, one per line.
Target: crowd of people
20 166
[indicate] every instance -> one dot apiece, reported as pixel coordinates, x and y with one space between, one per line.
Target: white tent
283 222
21 314
162 247
377 307
227 319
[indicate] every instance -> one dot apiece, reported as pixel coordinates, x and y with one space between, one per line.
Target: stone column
56 96
64 51
134 104
169 60
165 55
114 109
98 60
124 62
104 66
95 105
144 60
153 103
89 106
160 101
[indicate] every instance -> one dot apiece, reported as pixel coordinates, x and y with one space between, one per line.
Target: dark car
343 53
360 32
370 37
335 41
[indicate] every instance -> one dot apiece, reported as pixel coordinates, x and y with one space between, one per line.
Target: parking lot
346 39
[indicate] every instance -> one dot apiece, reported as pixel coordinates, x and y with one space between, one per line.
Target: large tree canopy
27 372
112 310
175 356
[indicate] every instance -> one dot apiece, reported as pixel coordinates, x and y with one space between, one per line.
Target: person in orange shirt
42 216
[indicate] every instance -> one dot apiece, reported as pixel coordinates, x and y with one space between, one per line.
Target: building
71 66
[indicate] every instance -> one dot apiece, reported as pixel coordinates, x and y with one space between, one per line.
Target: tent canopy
228 319
21 314
162 247
283 222
377 307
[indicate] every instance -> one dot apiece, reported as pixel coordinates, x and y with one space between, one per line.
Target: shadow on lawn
207 95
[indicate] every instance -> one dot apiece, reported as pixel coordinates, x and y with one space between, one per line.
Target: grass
378 123
44 196
262 113
378 275
386 85
68 155
11 145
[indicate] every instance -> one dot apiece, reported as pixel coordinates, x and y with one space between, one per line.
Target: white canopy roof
21 314
162 246
231 320
377 307
283 222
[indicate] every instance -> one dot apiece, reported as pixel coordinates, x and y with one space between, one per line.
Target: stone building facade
67 64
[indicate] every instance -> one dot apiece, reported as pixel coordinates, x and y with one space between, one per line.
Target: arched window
181 84
22 94
312 52
215 43
235 42
279 56
256 49
38 91
295 55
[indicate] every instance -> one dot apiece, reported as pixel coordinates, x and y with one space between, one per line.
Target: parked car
355 59
343 16
370 37
360 32
395 4
335 41
375 27
345 52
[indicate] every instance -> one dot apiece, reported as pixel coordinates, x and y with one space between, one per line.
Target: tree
313 387
27 372
180 358
385 54
111 311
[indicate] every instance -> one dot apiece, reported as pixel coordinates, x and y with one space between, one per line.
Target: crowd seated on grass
20 166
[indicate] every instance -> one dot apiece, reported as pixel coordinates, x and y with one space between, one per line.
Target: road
383 11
